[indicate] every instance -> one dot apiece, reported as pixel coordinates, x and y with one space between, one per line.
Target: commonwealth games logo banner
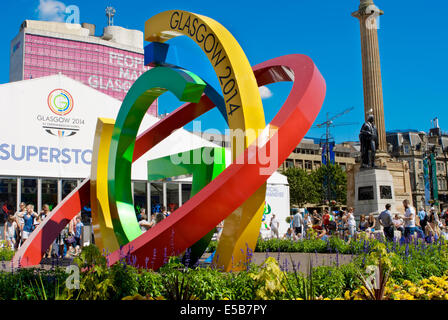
60 102
58 123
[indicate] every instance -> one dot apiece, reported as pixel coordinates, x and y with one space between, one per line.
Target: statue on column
368 137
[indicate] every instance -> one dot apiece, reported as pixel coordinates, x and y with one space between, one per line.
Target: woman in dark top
363 223
371 223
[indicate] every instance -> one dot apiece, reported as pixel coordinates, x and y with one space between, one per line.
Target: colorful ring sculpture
237 194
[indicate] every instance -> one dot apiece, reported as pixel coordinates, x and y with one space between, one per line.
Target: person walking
409 219
19 220
78 233
297 224
385 219
307 223
351 222
10 231
274 226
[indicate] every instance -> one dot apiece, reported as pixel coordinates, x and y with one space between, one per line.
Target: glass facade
156 196
107 69
68 186
172 196
29 192
8 192
51 189
186 191
50 192
140 197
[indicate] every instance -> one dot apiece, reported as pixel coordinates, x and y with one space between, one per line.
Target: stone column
371 69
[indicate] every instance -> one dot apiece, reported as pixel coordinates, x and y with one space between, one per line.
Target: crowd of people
156 217
429 226
19 225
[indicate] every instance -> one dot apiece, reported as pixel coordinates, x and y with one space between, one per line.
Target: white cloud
51 10
265 93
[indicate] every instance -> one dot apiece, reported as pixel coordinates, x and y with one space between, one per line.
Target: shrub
6 253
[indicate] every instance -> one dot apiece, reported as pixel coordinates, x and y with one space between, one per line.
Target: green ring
187 87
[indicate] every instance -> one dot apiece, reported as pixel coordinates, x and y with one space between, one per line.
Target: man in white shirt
351 222
274 226
409 219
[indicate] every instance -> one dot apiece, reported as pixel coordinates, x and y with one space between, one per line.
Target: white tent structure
46 138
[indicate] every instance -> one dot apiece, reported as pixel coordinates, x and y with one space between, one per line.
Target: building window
172 195
421 182
50 192
406 149
68 186
140 198
308 165
186 192
29 192
289 163
156 196
8 192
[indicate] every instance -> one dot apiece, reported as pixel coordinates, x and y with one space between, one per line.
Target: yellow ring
244 112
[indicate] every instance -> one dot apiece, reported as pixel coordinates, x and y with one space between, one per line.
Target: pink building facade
107 68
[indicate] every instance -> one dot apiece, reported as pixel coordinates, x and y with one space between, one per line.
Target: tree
330 182
301 187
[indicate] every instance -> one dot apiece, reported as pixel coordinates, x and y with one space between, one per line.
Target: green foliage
302 188
149 283
90 256
270 280
328 282
413 262
311 187
32 284
335 177
6 253
208 284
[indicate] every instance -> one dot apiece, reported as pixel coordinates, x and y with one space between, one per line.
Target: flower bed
416 270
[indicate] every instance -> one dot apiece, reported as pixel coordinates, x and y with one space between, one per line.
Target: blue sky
413 48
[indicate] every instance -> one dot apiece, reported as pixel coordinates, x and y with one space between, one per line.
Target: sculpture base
398 169
373 190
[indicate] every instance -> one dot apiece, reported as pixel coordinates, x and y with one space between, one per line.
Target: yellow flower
347 295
